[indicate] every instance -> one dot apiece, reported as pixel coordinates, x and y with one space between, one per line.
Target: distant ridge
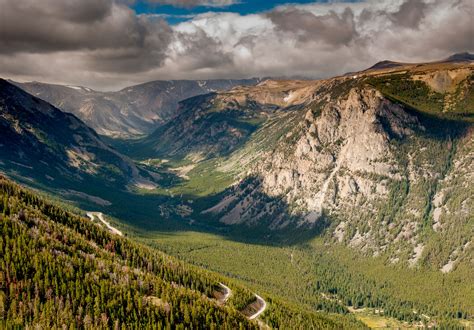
385 65
460 57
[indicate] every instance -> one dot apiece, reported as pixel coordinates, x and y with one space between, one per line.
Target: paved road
227 293
261 310
100 216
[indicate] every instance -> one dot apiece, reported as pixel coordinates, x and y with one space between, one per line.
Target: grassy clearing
377 321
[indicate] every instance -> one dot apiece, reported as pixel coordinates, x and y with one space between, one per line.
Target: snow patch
288 98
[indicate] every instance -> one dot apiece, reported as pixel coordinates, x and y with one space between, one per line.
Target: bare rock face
339 156
342 159
374 158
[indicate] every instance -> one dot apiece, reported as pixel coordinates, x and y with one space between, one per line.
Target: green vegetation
464 95
318 278
414 92
58 268
417 94
54 258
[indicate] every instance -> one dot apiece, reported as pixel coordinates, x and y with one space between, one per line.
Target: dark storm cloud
106 45
84 11
410 13
106 29
331 28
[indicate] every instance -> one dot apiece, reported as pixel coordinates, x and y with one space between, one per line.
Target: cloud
331 28
198 51
435 29
59 25
410 13
109 35
196 3
105 45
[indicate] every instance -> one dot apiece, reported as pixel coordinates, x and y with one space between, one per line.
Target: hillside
42 144
132 111
347 195
371 173
371 159
375 159
60 269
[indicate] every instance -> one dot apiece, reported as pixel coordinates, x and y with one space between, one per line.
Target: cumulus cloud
106 45
331 28
107 29
410 13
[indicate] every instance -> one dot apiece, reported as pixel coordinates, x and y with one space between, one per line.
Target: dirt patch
444 81
183 171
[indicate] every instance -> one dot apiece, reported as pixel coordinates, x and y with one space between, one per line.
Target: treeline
60 270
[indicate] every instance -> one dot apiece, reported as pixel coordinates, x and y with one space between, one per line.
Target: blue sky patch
175 15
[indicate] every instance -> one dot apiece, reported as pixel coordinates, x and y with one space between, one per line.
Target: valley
337 203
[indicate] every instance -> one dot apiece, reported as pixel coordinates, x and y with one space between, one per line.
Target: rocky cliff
384 172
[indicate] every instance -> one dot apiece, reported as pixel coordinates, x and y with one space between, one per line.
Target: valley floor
302 273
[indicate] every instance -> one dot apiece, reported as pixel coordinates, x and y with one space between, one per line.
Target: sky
111 44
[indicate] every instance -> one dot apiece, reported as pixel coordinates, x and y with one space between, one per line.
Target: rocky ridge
132 111
374 169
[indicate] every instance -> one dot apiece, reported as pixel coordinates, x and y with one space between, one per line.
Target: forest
59 269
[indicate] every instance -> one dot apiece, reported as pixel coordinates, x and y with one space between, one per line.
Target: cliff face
342 155
385 177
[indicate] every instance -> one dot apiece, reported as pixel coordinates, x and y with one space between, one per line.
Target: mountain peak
460 57
386 64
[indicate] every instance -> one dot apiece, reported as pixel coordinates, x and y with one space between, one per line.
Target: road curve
100 216
227 293
261 310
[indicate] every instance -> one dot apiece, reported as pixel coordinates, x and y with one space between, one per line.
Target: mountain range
132 111
378 163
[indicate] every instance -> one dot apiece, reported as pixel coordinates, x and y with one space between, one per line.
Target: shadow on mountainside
139 214
443 126
246 213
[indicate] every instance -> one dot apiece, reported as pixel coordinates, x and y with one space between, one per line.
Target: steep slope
218 123
39 141
368 157
59 269
132 111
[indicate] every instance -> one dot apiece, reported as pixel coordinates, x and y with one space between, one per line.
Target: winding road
100 216
228 294
227 290
263 304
